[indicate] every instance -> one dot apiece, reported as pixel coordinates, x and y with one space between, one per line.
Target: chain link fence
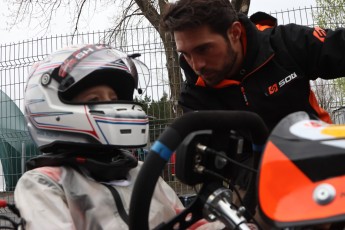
17 57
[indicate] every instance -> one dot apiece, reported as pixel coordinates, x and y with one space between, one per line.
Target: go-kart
298 172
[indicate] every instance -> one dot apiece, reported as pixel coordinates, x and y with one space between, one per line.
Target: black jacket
275 77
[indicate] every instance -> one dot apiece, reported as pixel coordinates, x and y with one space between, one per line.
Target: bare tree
241 5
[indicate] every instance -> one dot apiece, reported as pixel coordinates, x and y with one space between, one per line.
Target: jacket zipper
242 88
244 96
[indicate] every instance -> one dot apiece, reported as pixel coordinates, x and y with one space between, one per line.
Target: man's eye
203 49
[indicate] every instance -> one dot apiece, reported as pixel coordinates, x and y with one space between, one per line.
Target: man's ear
234 31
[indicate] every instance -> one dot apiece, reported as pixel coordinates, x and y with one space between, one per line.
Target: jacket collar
256 41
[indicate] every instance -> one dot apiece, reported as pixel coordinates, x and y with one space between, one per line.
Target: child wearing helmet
80 112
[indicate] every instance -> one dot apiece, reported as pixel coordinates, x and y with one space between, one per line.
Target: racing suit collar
257 46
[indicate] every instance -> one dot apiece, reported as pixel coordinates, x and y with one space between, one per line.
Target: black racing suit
274 80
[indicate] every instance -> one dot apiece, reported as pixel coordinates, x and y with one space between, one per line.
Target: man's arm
319 52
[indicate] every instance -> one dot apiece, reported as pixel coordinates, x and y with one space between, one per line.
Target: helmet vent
125 131
121 109
96 112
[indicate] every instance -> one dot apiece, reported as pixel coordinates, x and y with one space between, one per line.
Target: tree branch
78 17
149 12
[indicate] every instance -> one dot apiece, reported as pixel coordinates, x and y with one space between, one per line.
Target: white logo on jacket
287 79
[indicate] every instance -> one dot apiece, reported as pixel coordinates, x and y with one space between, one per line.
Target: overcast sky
277 5
98 21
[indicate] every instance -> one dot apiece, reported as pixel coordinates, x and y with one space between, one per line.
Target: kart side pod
302 173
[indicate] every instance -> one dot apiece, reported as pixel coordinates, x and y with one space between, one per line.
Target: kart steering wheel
165 146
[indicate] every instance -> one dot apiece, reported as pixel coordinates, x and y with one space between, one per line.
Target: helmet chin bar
121 124
112 125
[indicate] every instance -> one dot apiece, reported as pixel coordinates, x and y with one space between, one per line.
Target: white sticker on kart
317 130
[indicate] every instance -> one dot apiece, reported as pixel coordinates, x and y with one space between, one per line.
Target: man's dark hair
187 14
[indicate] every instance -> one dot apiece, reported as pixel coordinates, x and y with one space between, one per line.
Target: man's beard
226 70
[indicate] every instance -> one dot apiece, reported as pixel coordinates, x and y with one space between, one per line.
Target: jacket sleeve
319 52
41 202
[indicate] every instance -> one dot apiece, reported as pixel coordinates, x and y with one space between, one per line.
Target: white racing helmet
56 123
